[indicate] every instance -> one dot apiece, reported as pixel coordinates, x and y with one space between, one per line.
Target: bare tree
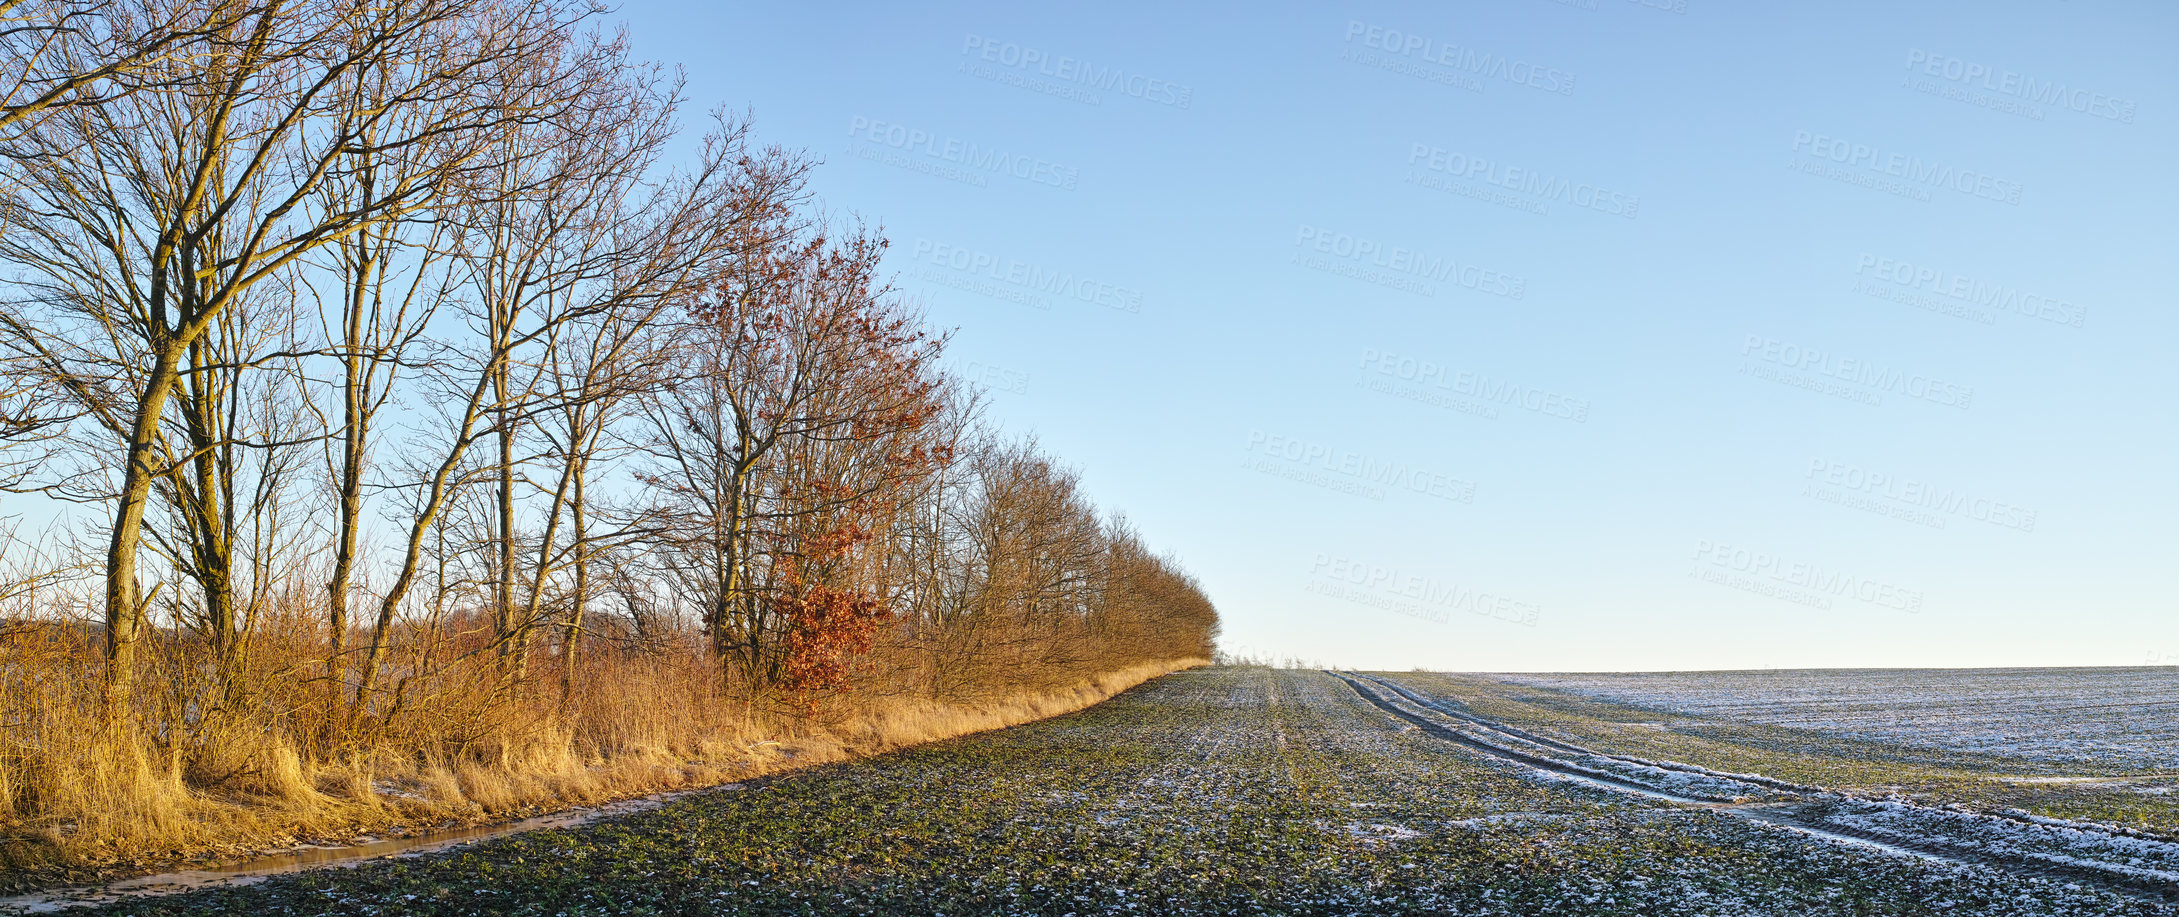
60 53
797 358
499 236
385 288
639 252
426 266
1036 543
32 415
562 262
596 367
231 443
145 217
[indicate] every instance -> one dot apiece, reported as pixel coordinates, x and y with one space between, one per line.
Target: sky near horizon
1526 335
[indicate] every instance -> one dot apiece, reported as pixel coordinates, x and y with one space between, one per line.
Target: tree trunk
354 431
512 638
124 611
571 644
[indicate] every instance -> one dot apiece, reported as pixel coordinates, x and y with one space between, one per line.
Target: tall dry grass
215 774
277 743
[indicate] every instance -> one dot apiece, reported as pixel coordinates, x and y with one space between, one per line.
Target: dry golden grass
68 810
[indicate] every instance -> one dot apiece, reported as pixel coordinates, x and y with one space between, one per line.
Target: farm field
2098 744
1251 790
2117 720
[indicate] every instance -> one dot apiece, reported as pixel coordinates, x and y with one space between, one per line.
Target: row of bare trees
388 373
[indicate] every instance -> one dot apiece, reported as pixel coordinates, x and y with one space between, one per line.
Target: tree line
421 387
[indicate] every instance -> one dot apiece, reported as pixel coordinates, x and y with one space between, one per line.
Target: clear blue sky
1528 335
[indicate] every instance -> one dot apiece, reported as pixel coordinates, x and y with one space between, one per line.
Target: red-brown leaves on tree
799 427
825 628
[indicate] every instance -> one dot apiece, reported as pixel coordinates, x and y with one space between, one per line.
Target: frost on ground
2116 858
1221 791
2115 717
2025 839
2068 745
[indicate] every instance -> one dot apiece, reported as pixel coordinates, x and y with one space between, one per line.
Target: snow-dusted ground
2107 856
2108 717
1218 792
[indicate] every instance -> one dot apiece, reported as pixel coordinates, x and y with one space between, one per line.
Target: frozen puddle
252 871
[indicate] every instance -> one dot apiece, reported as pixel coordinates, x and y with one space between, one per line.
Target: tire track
1563 768
1781 815
1569 748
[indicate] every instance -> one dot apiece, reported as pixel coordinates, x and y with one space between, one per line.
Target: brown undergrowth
115 809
